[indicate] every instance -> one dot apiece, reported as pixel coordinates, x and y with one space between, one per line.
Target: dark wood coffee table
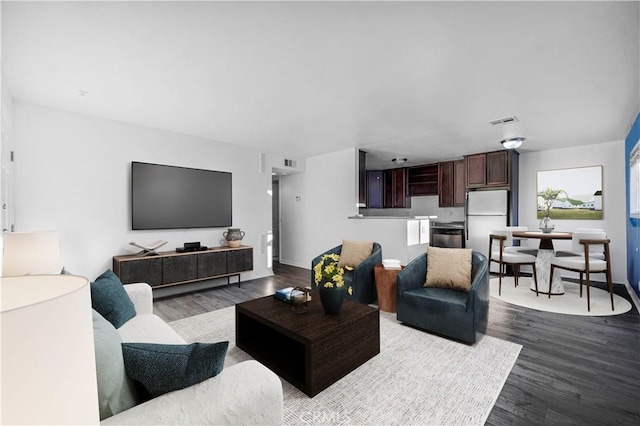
312 350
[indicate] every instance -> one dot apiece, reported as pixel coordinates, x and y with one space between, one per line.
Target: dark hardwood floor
571 370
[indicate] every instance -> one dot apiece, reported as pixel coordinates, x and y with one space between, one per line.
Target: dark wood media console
172 268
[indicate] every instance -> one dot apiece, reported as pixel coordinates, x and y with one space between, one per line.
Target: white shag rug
569 303
417 378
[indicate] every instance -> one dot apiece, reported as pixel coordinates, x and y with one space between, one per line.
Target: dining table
545 254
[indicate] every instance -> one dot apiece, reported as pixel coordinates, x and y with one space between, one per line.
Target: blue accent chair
443 311
361 279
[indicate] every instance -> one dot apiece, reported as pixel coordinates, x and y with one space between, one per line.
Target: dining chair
512 257
597 254
510 244
587 243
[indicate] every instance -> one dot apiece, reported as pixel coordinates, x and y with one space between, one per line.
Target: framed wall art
570 193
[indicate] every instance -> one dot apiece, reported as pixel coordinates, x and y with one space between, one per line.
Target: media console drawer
173 268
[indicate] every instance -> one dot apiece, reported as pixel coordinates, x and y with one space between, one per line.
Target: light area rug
569 303
417 378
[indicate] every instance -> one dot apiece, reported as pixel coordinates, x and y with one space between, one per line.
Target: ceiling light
512 143
399 160
511 132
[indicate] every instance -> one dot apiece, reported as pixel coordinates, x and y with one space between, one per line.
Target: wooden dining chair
513 257
587 244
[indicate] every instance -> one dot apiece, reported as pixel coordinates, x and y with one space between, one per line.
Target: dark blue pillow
165 368
110 299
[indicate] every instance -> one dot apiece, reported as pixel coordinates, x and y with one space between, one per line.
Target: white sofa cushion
219 400
149 329
116 391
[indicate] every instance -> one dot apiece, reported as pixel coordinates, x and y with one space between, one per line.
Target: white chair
511 257
587 243
509 243
596 254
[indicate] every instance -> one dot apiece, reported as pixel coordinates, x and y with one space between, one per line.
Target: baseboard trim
290 263
633 295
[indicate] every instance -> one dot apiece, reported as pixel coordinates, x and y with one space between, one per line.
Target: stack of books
286 294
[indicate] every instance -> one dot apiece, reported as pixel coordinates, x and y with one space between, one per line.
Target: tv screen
168 197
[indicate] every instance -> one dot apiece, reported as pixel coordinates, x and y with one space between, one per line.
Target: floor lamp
47 355
31 253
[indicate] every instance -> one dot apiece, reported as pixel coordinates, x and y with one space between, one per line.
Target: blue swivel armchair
362 278
443 311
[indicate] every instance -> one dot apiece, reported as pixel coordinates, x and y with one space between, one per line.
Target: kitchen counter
393 217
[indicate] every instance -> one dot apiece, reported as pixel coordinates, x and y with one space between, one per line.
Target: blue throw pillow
165 368
110 299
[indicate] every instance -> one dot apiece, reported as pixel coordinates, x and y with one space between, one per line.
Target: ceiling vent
505 120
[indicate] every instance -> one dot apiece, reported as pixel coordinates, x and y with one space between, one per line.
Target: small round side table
386 287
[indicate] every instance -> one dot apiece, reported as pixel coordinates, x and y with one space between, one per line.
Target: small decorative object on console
149 249
233 236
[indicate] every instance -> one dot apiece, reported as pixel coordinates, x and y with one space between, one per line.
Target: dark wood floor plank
572 370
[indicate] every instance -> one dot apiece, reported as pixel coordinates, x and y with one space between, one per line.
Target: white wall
319 220
73 176
611 157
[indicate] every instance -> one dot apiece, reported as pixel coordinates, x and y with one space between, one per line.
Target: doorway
275 219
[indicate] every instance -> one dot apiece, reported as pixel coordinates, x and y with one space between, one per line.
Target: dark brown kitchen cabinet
488 169
459 184
375 189
395 189
451 184
445 184
422 180
362 179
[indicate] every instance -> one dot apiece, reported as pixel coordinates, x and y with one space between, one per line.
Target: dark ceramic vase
331 299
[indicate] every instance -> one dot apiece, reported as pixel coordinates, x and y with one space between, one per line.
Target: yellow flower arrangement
328 274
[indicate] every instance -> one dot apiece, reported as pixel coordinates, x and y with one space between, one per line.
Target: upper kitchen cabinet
362 179
489 169
375 188
451 183
395 182
459 184
422 180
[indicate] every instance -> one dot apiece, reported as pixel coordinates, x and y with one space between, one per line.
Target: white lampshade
48 360
31 253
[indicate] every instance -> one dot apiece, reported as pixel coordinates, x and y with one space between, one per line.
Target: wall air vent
263 163
505 120
289 163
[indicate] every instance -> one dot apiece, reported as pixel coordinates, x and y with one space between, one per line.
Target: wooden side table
387 287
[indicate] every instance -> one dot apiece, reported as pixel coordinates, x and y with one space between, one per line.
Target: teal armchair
447 312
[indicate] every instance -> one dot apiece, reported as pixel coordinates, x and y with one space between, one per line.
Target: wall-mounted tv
170 197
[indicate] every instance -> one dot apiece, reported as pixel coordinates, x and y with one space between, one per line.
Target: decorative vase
545 225
331 299
233 236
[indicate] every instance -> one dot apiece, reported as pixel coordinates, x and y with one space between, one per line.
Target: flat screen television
170 197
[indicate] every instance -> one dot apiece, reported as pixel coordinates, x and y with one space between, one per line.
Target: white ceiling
416 79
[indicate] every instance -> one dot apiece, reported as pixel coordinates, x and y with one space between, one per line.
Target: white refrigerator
485 211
